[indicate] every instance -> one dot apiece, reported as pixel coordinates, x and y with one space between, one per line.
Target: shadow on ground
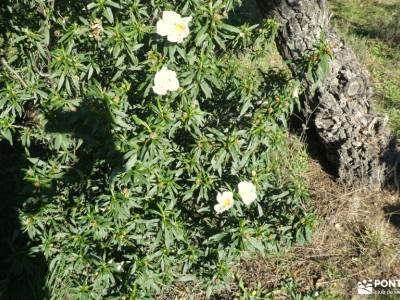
393 214
22 274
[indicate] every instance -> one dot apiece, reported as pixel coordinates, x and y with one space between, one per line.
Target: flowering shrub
153 153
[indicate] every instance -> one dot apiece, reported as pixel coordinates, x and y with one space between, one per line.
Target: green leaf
92 5
230 28
108 14
187 277
206 89
61 81
6 133
256 244
113 4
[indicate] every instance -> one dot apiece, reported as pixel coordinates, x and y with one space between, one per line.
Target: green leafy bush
130 136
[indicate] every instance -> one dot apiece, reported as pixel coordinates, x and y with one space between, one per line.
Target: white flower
164 81
173 26
247 192
225 202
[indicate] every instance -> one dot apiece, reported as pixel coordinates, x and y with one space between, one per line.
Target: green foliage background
119 184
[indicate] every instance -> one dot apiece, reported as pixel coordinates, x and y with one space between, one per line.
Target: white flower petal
219 197
174 85
178 37
187 19
162 28
171 17
219 208
227 195
249 198
186 32
168 73
247 192
228 203
175 37
159 90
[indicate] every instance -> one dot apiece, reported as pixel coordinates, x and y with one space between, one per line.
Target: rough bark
357 140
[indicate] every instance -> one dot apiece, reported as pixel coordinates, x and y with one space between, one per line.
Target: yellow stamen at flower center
226 202
180 27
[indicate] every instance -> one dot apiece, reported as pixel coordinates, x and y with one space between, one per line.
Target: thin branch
13 72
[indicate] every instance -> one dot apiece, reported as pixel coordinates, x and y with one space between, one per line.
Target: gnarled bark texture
357 140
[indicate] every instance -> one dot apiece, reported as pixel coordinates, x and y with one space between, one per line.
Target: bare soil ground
357 237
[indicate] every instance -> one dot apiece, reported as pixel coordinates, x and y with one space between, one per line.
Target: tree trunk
357 140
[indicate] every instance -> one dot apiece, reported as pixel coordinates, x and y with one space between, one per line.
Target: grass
372 28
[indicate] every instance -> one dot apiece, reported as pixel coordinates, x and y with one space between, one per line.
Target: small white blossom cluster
246 190
176 29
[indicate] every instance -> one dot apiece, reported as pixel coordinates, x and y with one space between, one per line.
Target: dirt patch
356 237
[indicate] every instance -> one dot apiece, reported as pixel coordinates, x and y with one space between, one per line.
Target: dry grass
354 239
